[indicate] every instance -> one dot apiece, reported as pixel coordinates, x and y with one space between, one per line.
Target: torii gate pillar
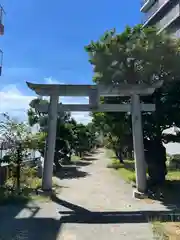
51 142
137 132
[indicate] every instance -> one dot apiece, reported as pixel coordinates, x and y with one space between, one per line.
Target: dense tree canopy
138 56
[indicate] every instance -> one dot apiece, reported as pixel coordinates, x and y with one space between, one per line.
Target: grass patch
170 189
12 196
158 231
166 230
127 175
109 153
173 175
126 170
9 195
75 158
30 184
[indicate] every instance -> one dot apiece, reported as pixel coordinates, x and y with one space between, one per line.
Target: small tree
16 135
63 132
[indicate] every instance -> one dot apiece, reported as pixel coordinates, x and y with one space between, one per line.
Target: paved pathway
96 205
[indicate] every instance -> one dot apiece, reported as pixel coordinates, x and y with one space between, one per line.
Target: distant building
2 13
164 14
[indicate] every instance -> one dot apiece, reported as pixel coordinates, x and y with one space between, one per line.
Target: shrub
28 179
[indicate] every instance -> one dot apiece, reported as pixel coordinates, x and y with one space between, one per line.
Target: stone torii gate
94 92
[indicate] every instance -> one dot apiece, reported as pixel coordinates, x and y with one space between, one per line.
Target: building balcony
154 11
1 61
1 20
146 4
169 18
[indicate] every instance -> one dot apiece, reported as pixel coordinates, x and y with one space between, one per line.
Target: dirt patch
167 230
172 230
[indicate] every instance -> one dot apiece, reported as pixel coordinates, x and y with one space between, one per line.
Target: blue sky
44 40
47 40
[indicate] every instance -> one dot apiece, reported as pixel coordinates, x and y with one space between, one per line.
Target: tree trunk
18 168
119 155
157 114
56 161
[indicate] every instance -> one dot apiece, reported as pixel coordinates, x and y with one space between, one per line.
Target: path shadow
78 214
90 158
44 228
82 163
31 229
8 211
12 227
67 204
88 154
92 152
128 164
119 217
171 196
70 172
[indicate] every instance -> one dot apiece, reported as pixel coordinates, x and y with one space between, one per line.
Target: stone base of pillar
46 193
139 195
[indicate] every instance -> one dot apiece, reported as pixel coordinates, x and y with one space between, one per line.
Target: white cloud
14 102
51 80
82 117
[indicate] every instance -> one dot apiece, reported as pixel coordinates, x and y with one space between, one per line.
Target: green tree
36 117
92 135
16 136
70 135
81 139
63 135
137 55
140 55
